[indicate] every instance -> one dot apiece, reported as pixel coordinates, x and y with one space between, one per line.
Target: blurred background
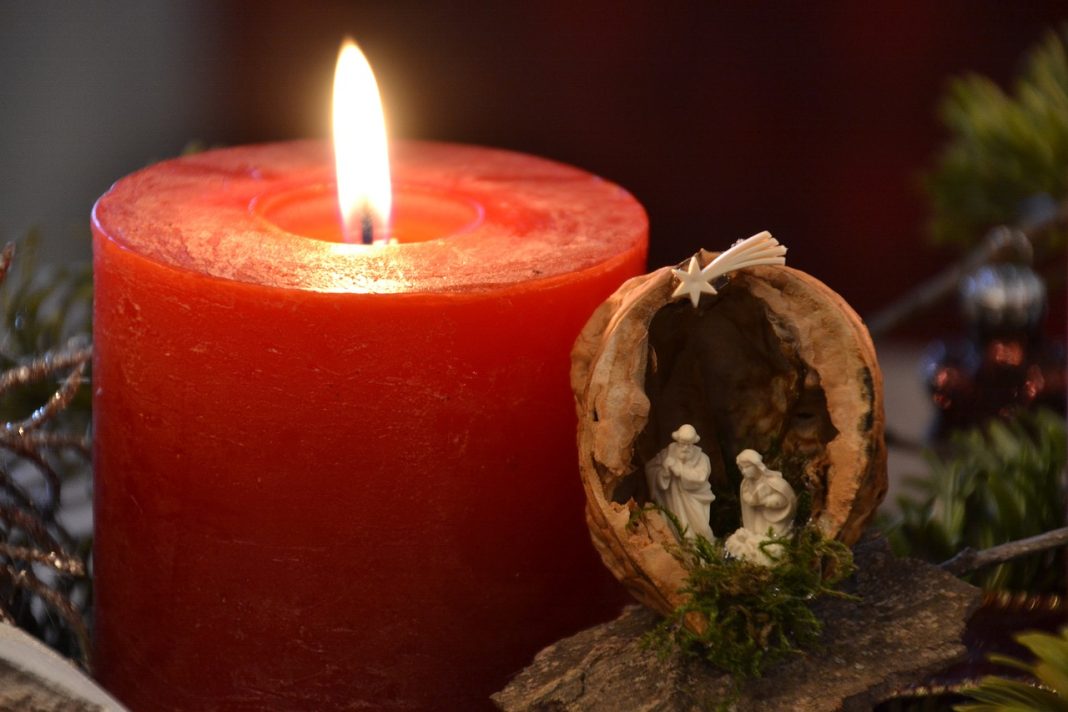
812 120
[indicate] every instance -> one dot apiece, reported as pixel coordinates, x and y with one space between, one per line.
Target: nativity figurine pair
678 482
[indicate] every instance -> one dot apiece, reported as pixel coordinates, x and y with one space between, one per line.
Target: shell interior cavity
769 360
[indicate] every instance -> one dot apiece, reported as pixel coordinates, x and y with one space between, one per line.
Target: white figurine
678 482
768 507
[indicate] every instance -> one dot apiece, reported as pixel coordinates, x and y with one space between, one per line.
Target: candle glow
361 152
235 332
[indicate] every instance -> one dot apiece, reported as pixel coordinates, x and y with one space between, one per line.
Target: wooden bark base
34 678
27 693
907 624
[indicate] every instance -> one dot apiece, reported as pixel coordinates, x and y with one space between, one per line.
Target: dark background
812 120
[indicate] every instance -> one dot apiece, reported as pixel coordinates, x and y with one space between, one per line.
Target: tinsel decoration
44 586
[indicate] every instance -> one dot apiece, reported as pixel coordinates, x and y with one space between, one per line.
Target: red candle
332 474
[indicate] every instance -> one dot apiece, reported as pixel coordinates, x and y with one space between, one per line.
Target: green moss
755 616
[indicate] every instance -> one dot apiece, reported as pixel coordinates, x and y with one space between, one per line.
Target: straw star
693 282
760 249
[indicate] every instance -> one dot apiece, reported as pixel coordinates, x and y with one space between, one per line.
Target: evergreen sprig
42 308
44 422
1050 669
998 483
753 616
1005 150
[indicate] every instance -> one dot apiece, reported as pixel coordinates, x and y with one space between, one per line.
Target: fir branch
76 357
1049 670
999 483
45 358
41 310
1005 151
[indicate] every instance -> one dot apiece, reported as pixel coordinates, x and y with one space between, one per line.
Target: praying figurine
678 482
768 507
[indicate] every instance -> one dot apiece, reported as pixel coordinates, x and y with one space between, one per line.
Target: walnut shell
776 361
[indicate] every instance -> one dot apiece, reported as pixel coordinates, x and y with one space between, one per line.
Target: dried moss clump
752 616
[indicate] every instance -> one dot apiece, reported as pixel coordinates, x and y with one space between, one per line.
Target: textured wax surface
323 499
541 219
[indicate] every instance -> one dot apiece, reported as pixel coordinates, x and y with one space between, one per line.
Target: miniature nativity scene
678 483
731 448
737 400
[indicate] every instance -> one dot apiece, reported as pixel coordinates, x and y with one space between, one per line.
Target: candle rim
165 213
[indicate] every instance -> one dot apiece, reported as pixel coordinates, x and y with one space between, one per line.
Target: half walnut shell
776 362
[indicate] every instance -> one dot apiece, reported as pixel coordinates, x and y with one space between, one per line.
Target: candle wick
367 227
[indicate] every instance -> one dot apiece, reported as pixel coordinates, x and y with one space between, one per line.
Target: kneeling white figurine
678 482
768 507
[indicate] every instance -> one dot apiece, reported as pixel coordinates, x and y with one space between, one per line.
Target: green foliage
1004 149
44 349
998 483
754 616
1050 669
41 308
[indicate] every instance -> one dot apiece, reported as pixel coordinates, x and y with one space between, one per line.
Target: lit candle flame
361 152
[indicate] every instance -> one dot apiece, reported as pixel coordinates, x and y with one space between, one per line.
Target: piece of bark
33 678
906 625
